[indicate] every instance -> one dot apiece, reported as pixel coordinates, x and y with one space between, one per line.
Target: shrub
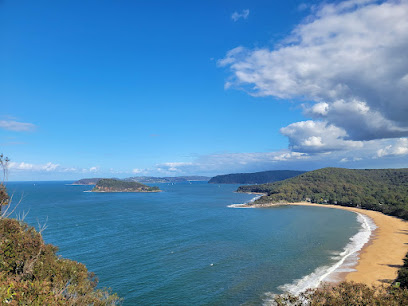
32 274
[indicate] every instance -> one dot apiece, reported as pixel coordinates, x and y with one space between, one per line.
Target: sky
125 88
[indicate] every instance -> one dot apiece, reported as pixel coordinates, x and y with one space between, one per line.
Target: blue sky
124 88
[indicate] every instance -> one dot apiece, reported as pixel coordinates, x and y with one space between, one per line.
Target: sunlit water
185 246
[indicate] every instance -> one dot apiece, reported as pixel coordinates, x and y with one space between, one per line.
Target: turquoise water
184 246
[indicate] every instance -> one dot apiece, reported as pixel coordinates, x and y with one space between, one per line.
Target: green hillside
113 185
384 190
254 178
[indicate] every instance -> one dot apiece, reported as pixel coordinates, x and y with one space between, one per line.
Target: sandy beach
381 258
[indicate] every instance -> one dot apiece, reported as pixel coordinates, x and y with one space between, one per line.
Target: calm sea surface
184 246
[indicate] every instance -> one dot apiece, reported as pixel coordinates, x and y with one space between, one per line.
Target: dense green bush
3 195
32 274
254 178
119 185
384 190
347 293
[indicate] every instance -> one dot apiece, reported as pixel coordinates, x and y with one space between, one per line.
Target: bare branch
42 227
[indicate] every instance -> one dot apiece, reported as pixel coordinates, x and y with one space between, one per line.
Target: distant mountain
113 185
167 179
254 178
87 181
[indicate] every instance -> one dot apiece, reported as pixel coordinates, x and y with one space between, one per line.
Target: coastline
382 256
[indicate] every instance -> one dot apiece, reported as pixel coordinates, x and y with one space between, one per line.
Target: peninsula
384 190
113 185
255 177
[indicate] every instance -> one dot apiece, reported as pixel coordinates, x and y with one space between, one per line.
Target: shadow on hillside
386 281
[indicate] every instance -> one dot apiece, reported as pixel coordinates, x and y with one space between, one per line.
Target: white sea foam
244 205
239 206
345 261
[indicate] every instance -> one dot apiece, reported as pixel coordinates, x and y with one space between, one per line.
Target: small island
113 185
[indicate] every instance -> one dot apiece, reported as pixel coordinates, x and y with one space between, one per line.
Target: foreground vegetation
254 178
384 190
32 274
347 293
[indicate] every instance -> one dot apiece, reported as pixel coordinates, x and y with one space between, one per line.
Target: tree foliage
254 178
384 190
4 197
347 293
114 185
32 274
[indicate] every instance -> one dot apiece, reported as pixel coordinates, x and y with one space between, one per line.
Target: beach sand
381 258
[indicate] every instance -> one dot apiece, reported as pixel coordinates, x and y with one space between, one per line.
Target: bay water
185 246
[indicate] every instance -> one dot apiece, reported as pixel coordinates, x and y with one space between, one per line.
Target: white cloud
16 126
397 149
320 151
356 117
48 167
172 167
236 16
139 171
317 136
349 58
230 162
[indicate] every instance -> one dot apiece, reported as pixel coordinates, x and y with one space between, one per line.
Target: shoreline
381 257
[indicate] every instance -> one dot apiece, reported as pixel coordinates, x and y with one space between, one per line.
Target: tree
4 198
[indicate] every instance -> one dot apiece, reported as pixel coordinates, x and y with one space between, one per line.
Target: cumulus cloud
16 126
317 136
328 149
356 117
230 162
397 149
350 58
33 167
140 171
236 15
48 167
172 167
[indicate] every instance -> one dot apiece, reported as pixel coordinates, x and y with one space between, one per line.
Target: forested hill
254 178
113 185
385 190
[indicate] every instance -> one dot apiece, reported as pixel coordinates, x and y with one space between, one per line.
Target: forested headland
384 190
254 178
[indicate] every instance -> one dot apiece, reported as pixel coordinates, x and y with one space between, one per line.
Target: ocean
188 246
